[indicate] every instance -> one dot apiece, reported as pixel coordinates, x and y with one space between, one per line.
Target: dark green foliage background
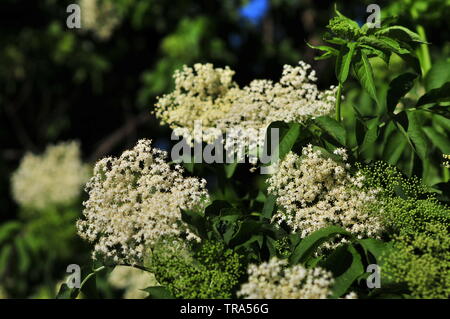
59 84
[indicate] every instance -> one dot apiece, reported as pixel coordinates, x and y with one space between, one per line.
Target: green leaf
364 74
196 221
230 169
395 46
384 55
258 239
226 225
438 75
332 127
216 207
327 49
344 281
441 141
309 244
67 293
412 61
271 244
401 129
384 44
5 257
246 230
417 136
189 166
400 33
22 254
344 61
394 146
88 286
288 134
398 88
158 292
269 205
360 129
288 140
370 135
8 229
338 261
441 120
369 141
441 94
324 56
328 37
313 262
374 246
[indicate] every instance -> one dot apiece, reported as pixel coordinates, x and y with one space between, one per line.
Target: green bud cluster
419 223
211 271
409 216
341 28
391 182
282 247
422 260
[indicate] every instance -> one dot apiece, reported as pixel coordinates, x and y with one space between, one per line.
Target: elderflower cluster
314 192
209 96
135 200
54 178
132 281
446 160
204 94
99 16
275 280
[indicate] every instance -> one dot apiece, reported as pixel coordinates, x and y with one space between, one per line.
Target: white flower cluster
99 16
136 199
209 95
132 280
351 295
275 280
202 95
446 162
314 192
53 178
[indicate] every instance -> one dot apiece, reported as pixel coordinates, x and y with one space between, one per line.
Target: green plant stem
424 51
93 273
338 102
446 174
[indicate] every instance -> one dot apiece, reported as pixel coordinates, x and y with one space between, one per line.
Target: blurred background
97 86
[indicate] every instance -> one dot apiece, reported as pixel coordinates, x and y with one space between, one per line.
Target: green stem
424 51
338 102
93 273
446 174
